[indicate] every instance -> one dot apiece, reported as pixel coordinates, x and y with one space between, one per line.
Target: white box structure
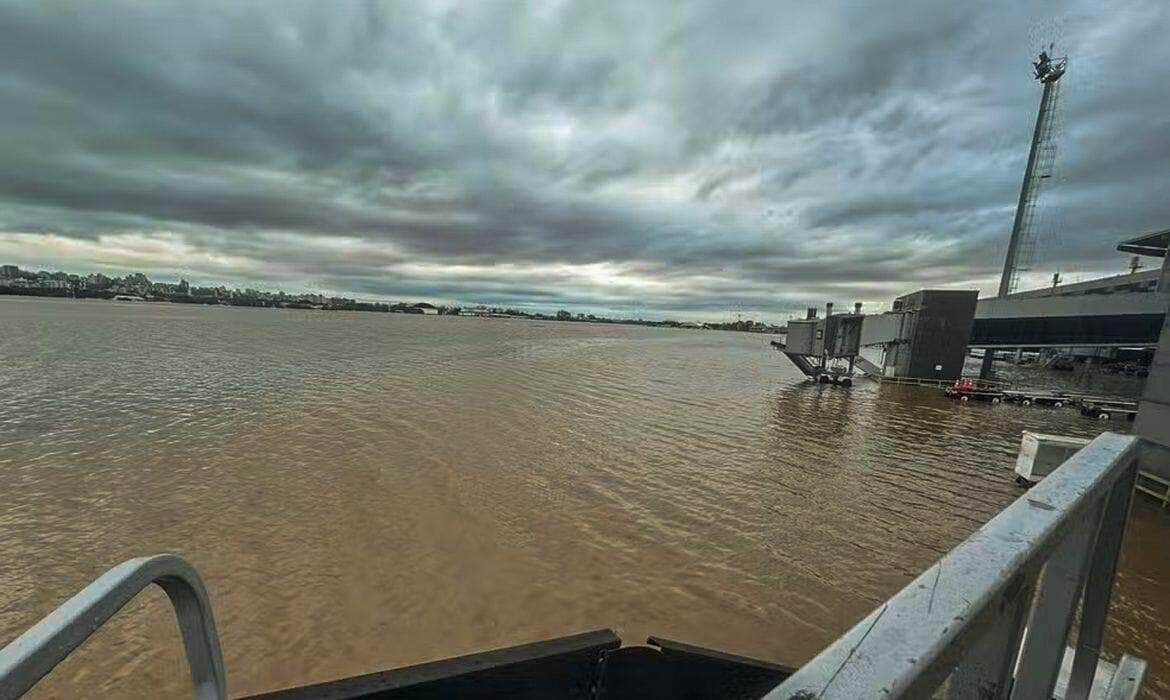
1041 453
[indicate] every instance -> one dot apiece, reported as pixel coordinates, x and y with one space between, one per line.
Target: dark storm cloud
661 156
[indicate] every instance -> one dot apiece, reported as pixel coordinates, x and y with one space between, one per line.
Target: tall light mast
1022 244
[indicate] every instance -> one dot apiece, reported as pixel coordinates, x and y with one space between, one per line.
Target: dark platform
589 665
1067 331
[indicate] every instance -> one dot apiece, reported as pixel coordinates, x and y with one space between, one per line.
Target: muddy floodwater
362 491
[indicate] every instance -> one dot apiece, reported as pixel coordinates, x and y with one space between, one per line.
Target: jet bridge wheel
846 381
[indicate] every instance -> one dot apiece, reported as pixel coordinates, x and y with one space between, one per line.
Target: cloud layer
650 158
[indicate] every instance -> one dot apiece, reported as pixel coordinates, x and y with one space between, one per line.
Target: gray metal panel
942 329
879 329
1153 424
843 335
1153 420
1131 303
801 338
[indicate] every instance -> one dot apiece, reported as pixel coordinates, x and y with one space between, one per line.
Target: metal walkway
868 367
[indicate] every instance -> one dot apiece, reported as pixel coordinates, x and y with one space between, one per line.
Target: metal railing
992 618
36 652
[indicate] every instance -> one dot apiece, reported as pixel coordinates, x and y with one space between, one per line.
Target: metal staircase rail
991 618
33 654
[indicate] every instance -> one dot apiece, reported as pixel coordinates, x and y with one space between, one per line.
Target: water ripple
364 491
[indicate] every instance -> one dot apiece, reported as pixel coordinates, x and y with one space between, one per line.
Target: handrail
991 618
33 654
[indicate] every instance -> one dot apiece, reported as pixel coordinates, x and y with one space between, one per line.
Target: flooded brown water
364 491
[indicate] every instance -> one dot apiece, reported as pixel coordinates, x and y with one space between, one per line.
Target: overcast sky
654 158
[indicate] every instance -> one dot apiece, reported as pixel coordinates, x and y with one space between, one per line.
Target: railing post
35 653
1099 586
1059 591
986 669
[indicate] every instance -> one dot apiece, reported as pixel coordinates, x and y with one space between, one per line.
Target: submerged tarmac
364 491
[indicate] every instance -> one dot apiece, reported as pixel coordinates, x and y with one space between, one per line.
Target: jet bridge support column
1153 419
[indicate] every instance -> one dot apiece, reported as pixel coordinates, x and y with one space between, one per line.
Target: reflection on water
363 491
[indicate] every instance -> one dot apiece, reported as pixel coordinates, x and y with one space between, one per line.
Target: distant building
96 280
9 270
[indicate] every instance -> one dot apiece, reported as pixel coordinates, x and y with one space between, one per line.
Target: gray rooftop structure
1144 281
1154 244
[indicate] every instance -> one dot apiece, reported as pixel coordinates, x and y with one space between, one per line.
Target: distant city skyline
656 159
138 286
134 282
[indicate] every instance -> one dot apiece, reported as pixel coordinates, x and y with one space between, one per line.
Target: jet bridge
924 337
825 349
